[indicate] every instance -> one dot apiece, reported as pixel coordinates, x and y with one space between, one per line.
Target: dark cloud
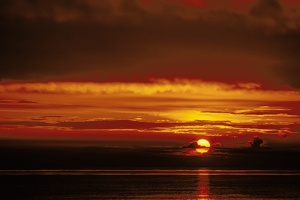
26 101
25 123
289 71
51 116
4 101
217 144
14 101
269 9
191 145
128 40
103 124
35 105
130 124
256 142
123 125
113 124
296 128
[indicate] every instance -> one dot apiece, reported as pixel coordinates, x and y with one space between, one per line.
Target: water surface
150 184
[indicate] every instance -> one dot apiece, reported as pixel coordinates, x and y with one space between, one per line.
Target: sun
203 146
203 143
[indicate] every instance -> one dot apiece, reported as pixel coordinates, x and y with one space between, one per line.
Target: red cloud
194 3
291 2
237 5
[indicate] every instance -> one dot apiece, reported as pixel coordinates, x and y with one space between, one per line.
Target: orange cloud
180 107
159 88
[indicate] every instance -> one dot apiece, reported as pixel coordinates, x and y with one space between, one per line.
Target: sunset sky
164 72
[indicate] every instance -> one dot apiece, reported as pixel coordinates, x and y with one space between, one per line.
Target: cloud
25 123
137 11
26 101
105 124
132 40
191 145
217 144
114 124
164 126
16 105
16 101
51 116
296 128
207 90
288 71
257 142
178 107
268 9
61 10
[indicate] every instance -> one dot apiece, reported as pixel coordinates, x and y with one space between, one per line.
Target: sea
201 184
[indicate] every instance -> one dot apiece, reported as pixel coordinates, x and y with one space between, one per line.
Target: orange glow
179 107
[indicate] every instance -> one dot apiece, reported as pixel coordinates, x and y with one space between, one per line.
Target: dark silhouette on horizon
256 142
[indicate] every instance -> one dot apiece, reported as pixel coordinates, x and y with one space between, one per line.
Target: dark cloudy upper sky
136 40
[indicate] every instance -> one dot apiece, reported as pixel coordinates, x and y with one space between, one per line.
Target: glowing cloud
202 90
180 107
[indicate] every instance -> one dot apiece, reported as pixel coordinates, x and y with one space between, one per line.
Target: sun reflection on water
203 186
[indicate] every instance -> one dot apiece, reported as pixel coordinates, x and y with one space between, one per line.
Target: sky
159 72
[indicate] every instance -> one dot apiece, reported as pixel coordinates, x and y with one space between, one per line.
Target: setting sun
203 146
203 143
